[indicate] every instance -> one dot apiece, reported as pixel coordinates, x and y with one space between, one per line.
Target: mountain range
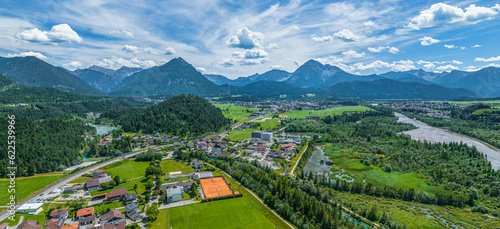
178 76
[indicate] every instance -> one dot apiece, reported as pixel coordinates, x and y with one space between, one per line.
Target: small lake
102 129
428 133
314 163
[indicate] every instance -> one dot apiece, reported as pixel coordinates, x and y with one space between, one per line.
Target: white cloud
130 49
30 53
245 39
447 68
200 69
151 51
491 59
377 49
273 46
73 64
346 35
58 34
476 46
278 67
250 54
402 65
426 41
117 62
121 33
456 62
170 51
369 24
353 54
462 48
441 14
241 62
450 46
296 62
472 69
393 50
322 38
295 27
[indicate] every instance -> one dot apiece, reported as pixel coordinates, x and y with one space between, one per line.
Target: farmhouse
93 184
112 217
29 224
117 194
59 213
85 212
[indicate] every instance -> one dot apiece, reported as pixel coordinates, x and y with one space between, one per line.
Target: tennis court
215 187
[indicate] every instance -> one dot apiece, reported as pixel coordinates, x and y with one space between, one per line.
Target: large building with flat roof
30 208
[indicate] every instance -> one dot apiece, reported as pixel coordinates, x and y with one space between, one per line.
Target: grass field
492 103
26 186
230 213
233 112
300 114
240 135
346 159
80 179
171 165
129 169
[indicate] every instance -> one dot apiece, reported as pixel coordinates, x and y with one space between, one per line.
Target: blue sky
240 38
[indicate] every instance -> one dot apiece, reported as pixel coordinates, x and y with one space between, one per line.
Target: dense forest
49 145
182 115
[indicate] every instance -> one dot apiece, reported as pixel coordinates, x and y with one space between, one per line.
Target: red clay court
215 187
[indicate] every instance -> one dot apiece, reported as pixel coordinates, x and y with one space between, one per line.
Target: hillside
175 77
32 71
485 82
181 115
391 89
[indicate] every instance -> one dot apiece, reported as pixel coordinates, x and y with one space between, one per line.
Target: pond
425 132
316 163
102 129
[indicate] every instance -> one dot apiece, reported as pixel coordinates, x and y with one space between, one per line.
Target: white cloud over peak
245 39
426 41
30 53
117 62
58 34
447 68
278 67
73 64
441 14
491 59
201 69
353 54
170 51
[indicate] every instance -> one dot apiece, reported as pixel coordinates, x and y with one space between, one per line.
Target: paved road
297 162
33 198
177 204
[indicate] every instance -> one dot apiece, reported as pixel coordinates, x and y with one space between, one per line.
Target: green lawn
230 213
300 114
129 169
26 186
399 180
171 165
129 186
235 113
492 103
80 179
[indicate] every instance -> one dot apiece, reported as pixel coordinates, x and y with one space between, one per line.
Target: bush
425 197
387 168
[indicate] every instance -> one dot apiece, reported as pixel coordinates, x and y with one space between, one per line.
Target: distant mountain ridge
104 79
32 71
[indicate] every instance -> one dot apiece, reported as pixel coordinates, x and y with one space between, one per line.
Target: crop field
26 186
229 213
235 113
300 114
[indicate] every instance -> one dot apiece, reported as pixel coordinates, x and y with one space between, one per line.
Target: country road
32 198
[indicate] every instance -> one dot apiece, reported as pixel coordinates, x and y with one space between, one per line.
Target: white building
267 136
30 208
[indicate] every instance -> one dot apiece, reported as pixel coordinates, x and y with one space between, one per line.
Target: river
433 134
102 129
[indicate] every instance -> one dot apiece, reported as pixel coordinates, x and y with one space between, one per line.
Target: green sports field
26 186
230 213
171 165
